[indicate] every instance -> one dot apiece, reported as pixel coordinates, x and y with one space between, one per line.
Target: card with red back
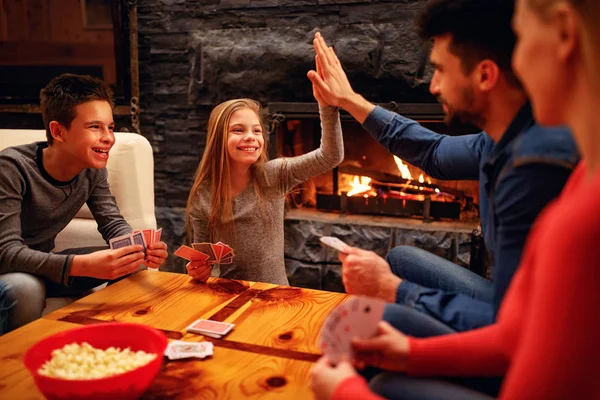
207 249
226 260
190 254
218 250
157 235
211 327
148 236
226 250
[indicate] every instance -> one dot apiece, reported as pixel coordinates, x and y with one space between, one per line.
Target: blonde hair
214 170
589 11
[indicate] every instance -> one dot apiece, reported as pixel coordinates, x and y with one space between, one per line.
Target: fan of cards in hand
356 317
212 253
143 238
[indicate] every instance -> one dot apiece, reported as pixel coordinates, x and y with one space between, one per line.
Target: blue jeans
28 293
438 291
436 297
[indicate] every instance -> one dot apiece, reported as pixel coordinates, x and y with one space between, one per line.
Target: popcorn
75 361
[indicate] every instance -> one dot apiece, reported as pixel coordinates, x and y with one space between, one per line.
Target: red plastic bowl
128 385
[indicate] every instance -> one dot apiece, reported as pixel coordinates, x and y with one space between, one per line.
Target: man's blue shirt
518 176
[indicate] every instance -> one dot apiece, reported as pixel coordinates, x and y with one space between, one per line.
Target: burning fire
403 168
360 184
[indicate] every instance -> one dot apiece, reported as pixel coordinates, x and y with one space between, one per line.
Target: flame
403 169
421 178
360 184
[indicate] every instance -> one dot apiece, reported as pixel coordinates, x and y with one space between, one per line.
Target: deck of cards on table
212 253
206 327
178 349
143 238
356 317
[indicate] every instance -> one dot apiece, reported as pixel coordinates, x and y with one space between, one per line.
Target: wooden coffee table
268 354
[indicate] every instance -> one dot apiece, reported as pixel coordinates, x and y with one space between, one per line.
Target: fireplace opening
370 180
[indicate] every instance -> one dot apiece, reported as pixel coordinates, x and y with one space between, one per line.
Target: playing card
205 326
368 311
211 335
357 317
148 236
157 235
138 238
121 241
217 250
207 249
226 250
178 349
334 243
226 260
190 254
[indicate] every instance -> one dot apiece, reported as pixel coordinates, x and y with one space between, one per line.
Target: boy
43 185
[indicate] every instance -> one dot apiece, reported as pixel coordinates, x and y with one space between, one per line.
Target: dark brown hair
65 92
479 29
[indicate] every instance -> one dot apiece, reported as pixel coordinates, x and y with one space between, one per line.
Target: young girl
545 340
238 196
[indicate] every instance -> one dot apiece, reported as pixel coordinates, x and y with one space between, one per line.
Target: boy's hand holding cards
357 317
143 238
206 327
178 349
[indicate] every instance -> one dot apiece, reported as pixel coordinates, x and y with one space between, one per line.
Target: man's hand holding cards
357 317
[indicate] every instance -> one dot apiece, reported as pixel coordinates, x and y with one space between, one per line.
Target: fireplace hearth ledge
313 266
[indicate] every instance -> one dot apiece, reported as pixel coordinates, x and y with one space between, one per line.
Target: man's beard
463 120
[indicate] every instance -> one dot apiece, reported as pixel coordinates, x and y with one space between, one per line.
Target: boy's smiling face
87 142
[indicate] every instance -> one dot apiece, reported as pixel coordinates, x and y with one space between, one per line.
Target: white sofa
131 178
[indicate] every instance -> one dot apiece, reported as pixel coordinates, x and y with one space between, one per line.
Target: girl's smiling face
245 139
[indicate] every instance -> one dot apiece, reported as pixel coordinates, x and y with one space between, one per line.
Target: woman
545 340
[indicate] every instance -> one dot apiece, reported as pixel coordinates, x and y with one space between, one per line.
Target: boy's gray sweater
34 208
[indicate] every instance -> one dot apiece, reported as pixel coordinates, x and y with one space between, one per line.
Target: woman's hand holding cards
388 349
199 270
325 377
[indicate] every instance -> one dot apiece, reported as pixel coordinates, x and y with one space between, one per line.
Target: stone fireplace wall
195 54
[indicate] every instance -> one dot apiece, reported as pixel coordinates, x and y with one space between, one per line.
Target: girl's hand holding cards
199 270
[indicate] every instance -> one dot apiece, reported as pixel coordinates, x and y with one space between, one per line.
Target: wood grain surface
268 355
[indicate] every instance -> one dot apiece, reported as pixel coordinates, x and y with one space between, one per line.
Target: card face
210 327
120 242
356 317
178 349
190 254
334 243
